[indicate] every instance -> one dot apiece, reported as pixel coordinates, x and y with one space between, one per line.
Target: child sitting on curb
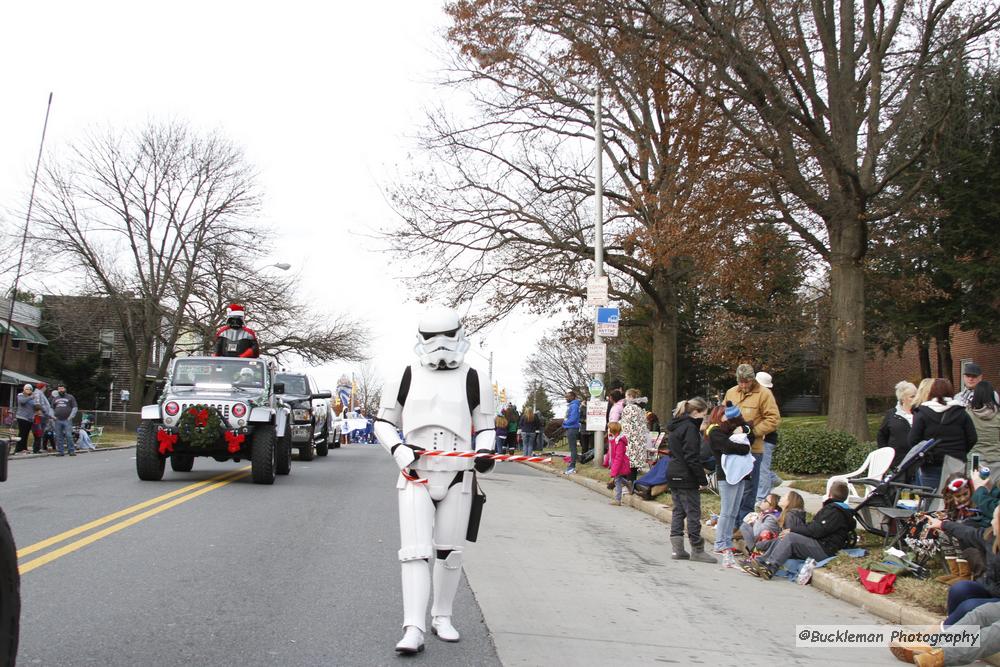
762 526
618 459
831 530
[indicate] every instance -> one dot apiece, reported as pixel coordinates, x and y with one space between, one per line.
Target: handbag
607 461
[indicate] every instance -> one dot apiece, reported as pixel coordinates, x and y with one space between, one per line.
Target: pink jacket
617 457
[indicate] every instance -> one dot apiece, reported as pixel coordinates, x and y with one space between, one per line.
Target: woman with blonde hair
501 434
895 428
923 391
686 478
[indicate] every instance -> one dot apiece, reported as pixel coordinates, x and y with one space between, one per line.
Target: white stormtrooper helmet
441 341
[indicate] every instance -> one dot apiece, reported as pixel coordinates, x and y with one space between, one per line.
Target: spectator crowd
46 416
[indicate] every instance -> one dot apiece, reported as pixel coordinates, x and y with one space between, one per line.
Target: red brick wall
884 371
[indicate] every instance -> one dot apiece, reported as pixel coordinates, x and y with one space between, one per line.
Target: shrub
857 454
810 450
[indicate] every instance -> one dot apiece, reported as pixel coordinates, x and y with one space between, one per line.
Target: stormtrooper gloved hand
484 464
405 454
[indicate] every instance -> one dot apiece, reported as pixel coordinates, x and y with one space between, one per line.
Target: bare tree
137 212
558 363
286 327
503 216
368 388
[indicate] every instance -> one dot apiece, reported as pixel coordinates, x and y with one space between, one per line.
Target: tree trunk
924 352
664 396
943 340
847 321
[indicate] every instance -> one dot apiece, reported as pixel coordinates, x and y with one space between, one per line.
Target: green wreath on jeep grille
199 426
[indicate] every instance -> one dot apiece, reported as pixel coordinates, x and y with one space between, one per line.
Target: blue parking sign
607 321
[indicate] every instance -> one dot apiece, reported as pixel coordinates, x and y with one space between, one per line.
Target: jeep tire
10 595
323 446
148 462
283 458
181 462
263 457
307 452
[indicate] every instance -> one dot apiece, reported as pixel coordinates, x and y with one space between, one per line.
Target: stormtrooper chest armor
436 414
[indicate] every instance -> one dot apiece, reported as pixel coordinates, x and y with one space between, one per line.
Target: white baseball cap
764 379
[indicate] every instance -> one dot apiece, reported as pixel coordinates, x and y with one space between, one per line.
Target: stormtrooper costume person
443 404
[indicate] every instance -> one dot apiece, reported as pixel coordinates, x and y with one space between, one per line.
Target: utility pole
7 329
598 236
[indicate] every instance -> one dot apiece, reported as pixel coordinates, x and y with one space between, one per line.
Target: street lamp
284 266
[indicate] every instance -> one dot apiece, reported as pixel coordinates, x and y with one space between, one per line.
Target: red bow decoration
201 418
233 441
166 441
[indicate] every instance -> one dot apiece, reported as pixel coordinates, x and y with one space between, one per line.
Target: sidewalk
849 592
564 578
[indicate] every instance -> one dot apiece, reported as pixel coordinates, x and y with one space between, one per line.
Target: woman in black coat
685 477
895 429
946 421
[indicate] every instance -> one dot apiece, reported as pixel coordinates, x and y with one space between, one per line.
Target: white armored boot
416 590
447 575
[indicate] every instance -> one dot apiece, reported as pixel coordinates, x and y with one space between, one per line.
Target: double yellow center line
181 495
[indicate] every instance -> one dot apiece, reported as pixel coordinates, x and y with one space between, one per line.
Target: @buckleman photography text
821 636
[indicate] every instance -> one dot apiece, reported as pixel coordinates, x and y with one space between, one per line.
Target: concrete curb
40 455
842 589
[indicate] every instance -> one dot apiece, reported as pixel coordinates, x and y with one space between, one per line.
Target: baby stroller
884 511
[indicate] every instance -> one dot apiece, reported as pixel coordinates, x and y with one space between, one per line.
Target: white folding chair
876 464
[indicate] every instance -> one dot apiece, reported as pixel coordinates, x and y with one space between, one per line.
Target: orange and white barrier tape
513 458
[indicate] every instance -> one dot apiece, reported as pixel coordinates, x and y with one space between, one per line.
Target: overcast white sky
324 97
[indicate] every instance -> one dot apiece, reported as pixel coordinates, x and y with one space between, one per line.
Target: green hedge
810 450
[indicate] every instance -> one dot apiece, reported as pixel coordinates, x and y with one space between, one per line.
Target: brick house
883 371
22 344
82 325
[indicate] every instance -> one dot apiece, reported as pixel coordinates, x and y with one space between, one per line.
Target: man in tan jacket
760 410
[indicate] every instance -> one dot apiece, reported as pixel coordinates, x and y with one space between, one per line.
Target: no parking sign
607 321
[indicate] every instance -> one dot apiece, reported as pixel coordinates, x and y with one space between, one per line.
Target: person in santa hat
235 339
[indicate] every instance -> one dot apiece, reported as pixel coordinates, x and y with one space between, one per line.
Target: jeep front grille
221 408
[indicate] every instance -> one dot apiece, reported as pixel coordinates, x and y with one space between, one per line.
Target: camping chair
876 465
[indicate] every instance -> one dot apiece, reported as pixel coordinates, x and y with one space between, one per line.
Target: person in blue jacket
572 425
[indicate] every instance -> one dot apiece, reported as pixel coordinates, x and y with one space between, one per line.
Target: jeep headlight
301 415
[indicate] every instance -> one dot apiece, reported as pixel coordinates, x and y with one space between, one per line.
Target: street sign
607 321
597 358
597 414
597 291
595 387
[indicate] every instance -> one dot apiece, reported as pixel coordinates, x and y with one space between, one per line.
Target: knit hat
732 412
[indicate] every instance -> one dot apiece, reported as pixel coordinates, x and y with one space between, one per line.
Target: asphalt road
225 572
303 572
